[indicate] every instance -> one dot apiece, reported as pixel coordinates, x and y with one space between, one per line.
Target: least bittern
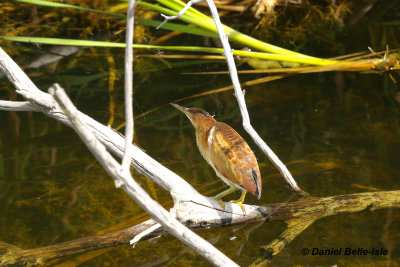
227 153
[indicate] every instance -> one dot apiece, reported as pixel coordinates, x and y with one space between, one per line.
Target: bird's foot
220 201
240 203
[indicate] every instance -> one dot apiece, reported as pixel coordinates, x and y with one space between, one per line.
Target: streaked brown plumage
227 153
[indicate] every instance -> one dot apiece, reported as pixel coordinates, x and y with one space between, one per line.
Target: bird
227 153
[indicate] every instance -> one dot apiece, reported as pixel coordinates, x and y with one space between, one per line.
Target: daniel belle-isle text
350 251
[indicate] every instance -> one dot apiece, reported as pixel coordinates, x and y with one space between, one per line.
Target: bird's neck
205 126
203 139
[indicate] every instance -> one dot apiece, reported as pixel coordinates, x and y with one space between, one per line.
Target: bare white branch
97 149
143 234
24 87
180 13
129 123
17 106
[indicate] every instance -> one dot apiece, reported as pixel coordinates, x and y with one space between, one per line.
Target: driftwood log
298 216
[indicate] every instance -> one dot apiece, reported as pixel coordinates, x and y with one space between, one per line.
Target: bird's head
200 119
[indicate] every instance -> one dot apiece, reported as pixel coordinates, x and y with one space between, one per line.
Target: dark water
338 133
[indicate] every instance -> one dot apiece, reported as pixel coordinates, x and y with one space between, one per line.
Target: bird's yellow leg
240 201
219 197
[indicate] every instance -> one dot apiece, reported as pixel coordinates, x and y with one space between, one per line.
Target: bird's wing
241 168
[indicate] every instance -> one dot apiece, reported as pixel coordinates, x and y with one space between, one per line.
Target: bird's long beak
183 109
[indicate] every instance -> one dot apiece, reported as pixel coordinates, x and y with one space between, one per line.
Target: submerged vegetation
338 133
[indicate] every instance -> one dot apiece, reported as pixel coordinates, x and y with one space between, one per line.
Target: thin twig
180 13
146 232
129 124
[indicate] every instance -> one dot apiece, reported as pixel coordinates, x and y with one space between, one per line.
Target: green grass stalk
73 42
236 36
